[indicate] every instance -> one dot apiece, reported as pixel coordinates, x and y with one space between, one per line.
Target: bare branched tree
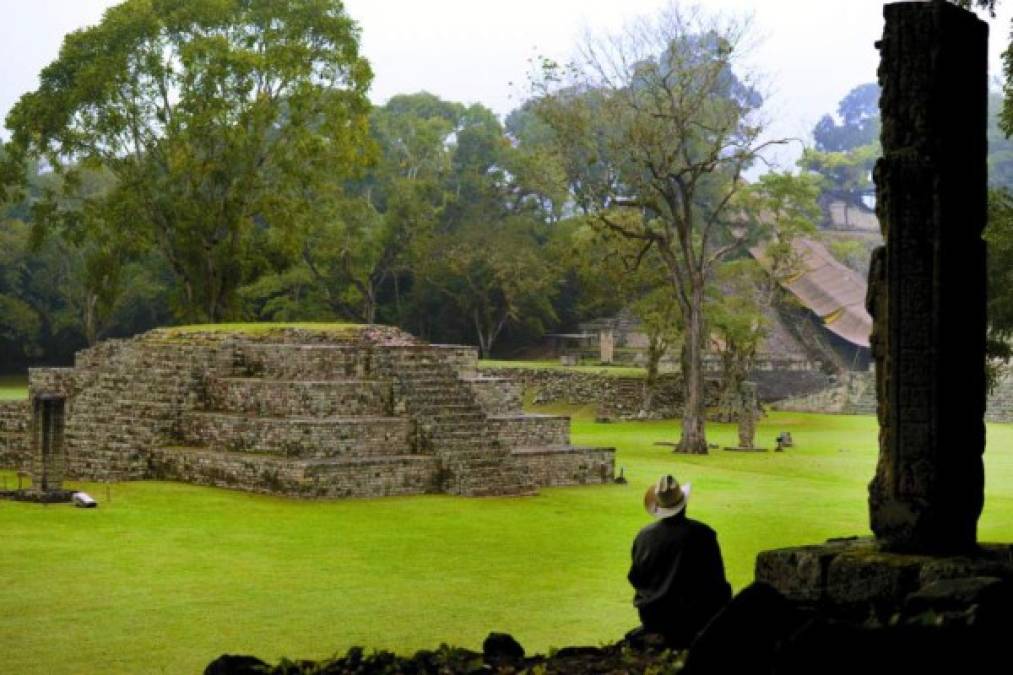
668 129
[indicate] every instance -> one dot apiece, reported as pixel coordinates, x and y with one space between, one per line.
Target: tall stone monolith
48 454
927 284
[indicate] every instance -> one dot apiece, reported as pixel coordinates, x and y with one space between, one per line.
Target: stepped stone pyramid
349 411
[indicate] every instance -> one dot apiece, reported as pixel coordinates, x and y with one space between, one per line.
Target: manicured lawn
13 387
164 577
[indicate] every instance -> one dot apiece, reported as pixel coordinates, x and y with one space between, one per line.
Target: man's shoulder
700 528
667 527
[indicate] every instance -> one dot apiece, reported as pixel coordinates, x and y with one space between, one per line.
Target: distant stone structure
358 412
748 411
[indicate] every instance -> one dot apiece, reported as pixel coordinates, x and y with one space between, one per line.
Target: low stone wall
855 395
530 430
15 440
622 397
774 385
563 386
617 397
1000 403
573 466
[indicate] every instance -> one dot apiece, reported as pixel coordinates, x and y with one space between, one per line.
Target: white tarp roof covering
833 291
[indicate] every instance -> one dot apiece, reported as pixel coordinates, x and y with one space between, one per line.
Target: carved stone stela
927 297
927 284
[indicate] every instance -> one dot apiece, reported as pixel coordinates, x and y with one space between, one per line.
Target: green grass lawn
13 387
258 328
164 577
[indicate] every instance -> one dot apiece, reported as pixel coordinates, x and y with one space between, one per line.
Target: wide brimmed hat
666 498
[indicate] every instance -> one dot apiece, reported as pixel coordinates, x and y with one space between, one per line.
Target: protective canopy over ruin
828 288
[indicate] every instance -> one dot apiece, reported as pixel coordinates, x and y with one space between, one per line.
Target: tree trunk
694 439
91 318
655 350
369 312
484 340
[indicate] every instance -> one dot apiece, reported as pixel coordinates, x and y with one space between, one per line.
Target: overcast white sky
812 53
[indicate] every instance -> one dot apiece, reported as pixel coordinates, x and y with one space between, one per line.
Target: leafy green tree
223 124
999 237
21 325
784 207
859 121
661 321
494 280
847 174
736 304
678 129
614 276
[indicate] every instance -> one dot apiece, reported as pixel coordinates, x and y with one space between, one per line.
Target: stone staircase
367 411
297 419
452 425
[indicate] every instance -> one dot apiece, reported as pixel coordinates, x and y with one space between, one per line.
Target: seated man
677 570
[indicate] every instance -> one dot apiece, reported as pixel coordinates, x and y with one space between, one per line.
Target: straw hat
666 498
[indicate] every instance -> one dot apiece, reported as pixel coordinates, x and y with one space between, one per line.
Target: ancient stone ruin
927 296
356 411
48 452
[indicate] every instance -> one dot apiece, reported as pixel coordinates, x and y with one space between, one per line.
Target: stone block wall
316 398
573 466
617 397
298 436
855 395
15 445
353 477
365 411
123 398
498 395
525 431
463 360
296 362
1000 403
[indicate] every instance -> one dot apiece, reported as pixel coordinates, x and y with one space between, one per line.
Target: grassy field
13 387
163 577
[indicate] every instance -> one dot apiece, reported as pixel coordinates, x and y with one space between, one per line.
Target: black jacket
679 577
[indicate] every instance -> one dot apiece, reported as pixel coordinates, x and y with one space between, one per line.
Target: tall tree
999 237
494 279
224 125
678 128
737 301
859 121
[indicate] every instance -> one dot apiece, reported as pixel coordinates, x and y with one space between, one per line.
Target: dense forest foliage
190 162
